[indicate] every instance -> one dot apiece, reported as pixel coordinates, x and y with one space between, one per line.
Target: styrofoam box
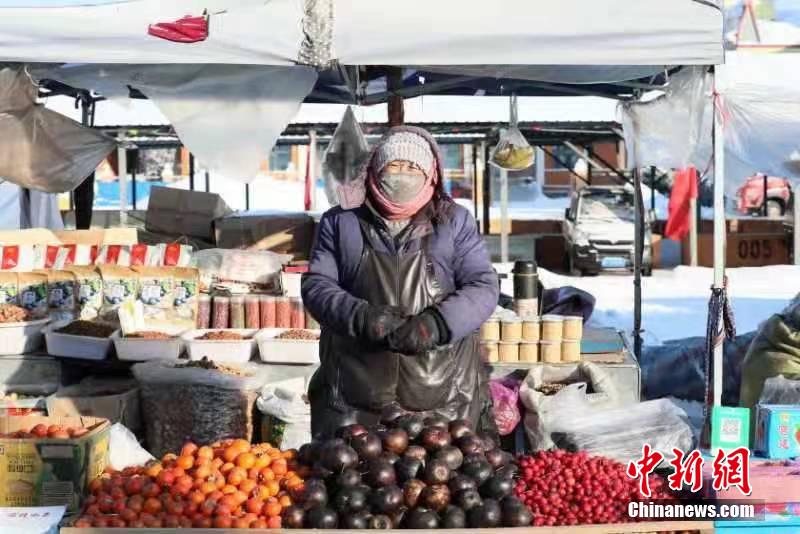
80 347
141 350
274 350
223 351
21 338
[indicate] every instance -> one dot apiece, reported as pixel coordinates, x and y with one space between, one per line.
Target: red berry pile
565 488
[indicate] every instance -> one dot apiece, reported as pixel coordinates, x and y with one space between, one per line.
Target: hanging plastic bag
513 152
346 153
505 400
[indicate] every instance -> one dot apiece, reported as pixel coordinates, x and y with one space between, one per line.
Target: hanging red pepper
189 29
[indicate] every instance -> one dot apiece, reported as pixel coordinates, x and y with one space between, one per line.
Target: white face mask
401 187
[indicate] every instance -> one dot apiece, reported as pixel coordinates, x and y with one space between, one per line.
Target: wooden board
704 527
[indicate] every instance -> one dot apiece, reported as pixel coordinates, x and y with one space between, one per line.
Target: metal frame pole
191 171
312 166
504 222
637 259
133 180
122 166
487 189
719 238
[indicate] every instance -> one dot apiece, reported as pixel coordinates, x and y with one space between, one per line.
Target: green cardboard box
730 428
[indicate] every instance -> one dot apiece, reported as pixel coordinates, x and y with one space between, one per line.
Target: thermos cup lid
524 267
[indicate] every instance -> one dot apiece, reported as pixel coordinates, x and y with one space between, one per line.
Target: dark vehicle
599 232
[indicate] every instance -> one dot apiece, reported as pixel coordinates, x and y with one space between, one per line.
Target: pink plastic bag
505 398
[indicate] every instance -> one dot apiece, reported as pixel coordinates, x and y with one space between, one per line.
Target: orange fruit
185 462
245 460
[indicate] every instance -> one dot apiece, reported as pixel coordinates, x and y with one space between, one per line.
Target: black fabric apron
356 382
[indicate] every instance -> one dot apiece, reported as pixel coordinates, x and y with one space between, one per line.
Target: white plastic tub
21 338
136 349
80 347
223 351
298 351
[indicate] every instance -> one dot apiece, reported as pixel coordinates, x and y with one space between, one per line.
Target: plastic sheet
505 401
676 369
620 433
780 390
588 388
124 449
347 152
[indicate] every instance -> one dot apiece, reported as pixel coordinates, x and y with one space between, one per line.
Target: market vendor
399 286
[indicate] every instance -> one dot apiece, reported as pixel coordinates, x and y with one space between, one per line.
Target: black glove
373 323
420 334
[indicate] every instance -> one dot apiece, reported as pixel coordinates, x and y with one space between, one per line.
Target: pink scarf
394 211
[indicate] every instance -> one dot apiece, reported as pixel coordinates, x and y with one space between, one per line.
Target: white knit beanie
405 146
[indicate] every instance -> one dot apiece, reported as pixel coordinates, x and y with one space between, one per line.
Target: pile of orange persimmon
230 484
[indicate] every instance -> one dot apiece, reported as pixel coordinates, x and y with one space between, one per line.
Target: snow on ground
675 303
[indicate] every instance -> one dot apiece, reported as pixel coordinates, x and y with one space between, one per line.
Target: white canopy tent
568 41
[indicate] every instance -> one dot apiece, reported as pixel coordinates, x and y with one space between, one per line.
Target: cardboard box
115 400
777 431
178 212
730 428
51 472
43 236
284 233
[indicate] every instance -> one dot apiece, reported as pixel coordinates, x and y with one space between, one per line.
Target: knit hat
404 146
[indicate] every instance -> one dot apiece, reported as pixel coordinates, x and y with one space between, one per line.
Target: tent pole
191 171
719 238
638 248
504 222
693 223
539 167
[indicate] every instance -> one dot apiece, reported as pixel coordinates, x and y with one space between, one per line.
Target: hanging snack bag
19 258
156 294
33 294
513 152
145 255
9 290
61 295
119 255
62 256
88 292
176 255
119 285
186 289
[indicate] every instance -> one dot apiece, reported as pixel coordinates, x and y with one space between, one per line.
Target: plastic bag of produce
512 152
620 433
124 449
286 416
505 401
199 401
550 394
346 153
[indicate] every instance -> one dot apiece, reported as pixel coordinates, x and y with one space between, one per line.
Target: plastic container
222 310
490 351
223 350
297 351
550 351
237 312
135 349
531 331
508 351
571 350
526 280
511 331
552 328
80 347
490 330
527 308
21 338
252 312
203 311
283 312
268 311
529 351
573 327
298 317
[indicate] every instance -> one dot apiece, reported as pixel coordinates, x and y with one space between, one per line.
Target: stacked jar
571 342
490 340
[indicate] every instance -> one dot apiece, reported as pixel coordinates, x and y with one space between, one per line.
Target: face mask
400 187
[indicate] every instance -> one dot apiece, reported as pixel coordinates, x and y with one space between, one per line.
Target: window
281 158
453 156
564 154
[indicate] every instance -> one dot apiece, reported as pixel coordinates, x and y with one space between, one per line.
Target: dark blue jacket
461 263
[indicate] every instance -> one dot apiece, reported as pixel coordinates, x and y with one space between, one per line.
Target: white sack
124 449
42 149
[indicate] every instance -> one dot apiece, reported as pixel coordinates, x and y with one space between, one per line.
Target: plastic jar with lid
237 312
531 330
508 351
203 312
550 351
298 317
529 351
573 327
267 307
252 311
490 330
222 310
283 312
490 351
552 328
571 350
511 330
